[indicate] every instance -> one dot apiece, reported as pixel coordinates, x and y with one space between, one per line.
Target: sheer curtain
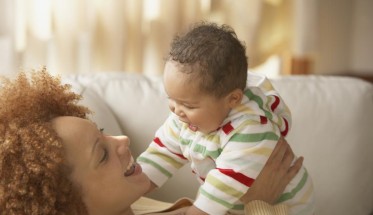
84 36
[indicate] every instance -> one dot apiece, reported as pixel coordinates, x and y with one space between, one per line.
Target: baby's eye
189 107
101 130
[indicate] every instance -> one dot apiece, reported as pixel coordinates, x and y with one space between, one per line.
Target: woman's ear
234 98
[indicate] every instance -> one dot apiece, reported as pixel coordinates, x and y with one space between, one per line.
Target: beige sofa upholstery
332 128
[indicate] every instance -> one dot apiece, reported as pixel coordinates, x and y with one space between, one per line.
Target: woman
55 161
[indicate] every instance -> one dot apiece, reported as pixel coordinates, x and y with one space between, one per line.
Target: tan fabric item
262 208
150 206
147 206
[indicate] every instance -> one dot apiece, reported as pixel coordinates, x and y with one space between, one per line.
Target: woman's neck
128 212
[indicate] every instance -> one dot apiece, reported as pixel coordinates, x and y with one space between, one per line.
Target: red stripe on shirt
285 132
159 142
276 103
263 120
227 128
243 179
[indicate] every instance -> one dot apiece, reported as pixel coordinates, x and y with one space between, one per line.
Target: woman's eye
104 155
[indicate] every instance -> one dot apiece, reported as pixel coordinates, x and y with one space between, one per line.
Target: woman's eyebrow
97 140
95 145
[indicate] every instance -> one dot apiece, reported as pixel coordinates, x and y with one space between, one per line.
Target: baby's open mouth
193 127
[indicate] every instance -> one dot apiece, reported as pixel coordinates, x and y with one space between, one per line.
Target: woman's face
102 166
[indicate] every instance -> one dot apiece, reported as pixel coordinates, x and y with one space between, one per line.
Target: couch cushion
101 112
333 129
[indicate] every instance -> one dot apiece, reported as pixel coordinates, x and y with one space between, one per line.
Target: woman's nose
123 143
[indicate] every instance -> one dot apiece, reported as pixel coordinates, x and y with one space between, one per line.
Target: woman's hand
276 174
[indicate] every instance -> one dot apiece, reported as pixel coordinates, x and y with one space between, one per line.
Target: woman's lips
134 169
131 170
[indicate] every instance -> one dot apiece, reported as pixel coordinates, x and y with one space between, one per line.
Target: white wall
362 37
6 41
341 38
344 39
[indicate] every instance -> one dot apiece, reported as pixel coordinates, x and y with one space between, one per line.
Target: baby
225 122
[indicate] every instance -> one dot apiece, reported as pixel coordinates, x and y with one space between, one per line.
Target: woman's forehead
77 134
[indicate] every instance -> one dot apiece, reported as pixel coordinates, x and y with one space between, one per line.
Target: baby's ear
235 97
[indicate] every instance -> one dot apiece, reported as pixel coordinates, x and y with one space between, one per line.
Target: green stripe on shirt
293 192
202 149
256 137
224 203
185 142
155 165
249 94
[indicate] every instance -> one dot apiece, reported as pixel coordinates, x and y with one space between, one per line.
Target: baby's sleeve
163 156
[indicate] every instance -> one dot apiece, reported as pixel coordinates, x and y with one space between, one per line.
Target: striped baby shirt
227 161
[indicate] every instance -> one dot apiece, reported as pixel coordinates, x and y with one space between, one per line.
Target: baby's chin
196 128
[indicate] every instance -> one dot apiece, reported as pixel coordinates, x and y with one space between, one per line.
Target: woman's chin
138 176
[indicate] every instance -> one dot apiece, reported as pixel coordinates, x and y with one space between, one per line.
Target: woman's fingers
290 169
293 170
278 152
288 157
276 174
282 157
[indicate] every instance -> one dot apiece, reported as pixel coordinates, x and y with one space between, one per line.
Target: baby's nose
178 112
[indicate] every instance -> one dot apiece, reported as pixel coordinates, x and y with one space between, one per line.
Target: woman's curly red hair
34 178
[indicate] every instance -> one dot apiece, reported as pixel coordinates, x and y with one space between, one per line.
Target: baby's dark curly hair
217 56
34 177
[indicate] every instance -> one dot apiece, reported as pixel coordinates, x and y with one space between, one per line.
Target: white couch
332 128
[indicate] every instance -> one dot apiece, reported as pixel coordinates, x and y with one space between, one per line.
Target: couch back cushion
333 129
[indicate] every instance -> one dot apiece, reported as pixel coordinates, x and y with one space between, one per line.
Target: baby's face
201 111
